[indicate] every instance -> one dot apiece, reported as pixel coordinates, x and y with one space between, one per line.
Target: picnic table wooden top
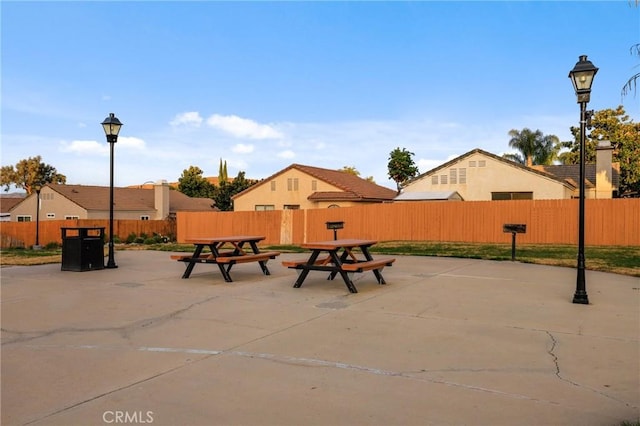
224 239
337 244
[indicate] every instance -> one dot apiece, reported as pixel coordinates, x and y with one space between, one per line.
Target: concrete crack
124 330
558 373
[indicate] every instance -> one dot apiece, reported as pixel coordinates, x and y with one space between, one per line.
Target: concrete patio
445 342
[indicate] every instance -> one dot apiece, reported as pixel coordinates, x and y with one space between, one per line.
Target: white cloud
243 127
287 154
424 165
85 147
130 142
101 148
192 118
242 149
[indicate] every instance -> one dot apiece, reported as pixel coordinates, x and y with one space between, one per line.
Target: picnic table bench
226 259
341 259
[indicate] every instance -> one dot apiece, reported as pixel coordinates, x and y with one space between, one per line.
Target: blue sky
262 85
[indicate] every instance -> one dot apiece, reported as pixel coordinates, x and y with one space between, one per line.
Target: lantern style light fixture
111 126
582 76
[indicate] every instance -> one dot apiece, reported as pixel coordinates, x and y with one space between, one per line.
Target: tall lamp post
582 77
38 188
111 126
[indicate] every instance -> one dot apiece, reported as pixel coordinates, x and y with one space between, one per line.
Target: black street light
111 126
38 188
582 77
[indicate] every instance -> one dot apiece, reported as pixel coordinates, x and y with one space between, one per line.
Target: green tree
401 167
27 173
353 171
222 172
193 184
222 194
616 126
534 147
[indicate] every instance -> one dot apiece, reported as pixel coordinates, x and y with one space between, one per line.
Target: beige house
6 204
479 175
306 187
60 202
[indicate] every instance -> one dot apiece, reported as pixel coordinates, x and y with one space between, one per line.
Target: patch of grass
620 260
23 256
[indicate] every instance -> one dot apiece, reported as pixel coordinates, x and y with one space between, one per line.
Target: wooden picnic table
235 252
339 258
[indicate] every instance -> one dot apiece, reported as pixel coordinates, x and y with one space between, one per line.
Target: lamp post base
581 298
111 263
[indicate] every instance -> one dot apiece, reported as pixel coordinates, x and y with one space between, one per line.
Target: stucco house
60 202
6 204
479 176
306 187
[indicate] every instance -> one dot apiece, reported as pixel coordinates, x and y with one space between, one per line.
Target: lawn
620 260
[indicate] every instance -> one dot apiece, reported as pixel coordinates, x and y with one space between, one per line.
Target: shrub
131 238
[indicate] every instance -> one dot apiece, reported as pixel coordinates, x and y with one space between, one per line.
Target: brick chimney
161 199
604 172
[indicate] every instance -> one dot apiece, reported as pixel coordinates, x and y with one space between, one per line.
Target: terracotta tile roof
7 203
126 199
571 173
333 196
353 188
498 158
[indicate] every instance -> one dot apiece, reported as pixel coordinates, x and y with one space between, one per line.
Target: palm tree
632 82
534 147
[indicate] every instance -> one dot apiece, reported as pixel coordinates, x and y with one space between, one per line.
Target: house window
292 184
273 185
472 163
45 196
512 196
482 163
314 185
51 215
332 206
291 206
144 217
434 180
453 176
462 176
71 217
443 179
23 218
264 207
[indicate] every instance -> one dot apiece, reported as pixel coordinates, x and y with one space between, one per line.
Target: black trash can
82 249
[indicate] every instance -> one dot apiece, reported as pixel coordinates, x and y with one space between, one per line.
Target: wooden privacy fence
607 222
23 234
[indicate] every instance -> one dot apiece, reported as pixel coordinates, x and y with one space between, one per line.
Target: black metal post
111 263
513 246
37 245
581 291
